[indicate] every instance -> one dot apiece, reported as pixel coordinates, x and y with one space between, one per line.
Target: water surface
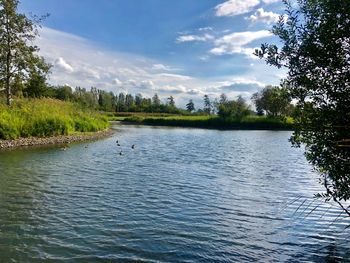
182 195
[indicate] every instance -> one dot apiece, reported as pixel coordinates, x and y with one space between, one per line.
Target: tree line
273 101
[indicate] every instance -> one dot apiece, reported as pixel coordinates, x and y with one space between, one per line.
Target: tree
155 103
129 101
275 101
18 58
64 93
36 87
138 101
233 108
155 100
223 98
207 104
171 101
316 48
190 106
120 103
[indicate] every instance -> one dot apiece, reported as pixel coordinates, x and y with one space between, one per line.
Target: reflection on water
180 195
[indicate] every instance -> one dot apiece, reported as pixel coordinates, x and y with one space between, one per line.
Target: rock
62 139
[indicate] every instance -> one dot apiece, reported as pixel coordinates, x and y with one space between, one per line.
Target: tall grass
47 117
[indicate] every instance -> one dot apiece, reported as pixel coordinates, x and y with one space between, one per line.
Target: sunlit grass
203 121
47 117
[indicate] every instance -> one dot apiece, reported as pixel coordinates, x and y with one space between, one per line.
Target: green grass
47 117
214 122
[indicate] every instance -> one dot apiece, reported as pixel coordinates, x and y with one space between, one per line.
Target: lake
182 195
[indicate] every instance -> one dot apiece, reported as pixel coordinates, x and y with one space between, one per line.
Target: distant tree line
96 98
272 101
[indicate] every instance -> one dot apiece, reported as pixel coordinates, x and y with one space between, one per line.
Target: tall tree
36 86
190 106
275 101
138 101
171 101
233 108
207 104
129 101
121 102
223 98
155 100
18 56
316 48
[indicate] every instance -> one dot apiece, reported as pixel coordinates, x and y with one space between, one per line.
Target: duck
133 146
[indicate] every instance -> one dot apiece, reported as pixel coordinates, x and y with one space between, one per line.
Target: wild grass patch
47 117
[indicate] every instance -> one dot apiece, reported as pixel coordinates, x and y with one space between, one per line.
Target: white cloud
195 92
235 7
191 38
236 43
161 67
261 15
208 28
117 82
81 63
172 77
173 89
270 1
147 85
242 38
239 7
242 81
204 58
63 65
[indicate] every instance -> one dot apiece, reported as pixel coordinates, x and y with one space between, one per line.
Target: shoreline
54 140
210 125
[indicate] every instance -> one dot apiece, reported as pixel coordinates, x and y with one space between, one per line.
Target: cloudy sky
184 48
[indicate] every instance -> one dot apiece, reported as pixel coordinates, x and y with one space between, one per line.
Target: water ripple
183 195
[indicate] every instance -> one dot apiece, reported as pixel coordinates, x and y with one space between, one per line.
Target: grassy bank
213 122
47 117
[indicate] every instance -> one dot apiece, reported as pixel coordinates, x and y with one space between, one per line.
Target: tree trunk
8 92
8 77
8 66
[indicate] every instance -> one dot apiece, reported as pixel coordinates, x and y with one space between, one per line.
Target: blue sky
184 48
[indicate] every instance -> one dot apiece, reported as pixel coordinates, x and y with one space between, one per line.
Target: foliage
36 86
171 101
213 122
316 48
18 58
275 101
190 106
207 104
156 100
46 117
232 108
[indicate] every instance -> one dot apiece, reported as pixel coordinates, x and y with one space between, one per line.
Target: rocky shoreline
62 139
